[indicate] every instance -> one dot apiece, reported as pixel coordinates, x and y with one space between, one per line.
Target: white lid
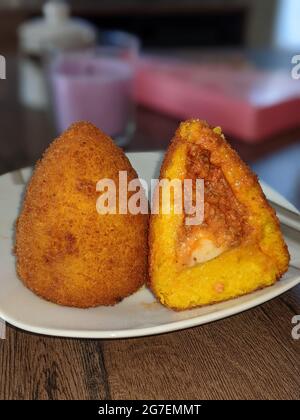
56 11
56 29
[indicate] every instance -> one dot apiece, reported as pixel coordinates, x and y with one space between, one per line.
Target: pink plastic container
247 103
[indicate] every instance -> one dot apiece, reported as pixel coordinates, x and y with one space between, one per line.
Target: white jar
54 30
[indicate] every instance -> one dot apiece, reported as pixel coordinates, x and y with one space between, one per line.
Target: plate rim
164 328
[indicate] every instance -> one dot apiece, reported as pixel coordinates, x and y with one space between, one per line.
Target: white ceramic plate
138 315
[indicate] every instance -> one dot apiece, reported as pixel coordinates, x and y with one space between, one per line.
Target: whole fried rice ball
66 251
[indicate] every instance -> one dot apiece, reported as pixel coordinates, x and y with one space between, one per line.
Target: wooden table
251 355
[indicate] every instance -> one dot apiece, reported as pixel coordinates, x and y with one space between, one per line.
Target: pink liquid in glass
96 89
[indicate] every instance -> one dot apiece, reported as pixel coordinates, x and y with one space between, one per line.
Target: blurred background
228 61
175 23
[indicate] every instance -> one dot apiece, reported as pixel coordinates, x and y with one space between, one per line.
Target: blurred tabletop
251 355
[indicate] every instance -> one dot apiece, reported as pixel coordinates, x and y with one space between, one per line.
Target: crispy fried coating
66 251
237 249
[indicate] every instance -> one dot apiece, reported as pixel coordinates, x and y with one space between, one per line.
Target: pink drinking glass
97 85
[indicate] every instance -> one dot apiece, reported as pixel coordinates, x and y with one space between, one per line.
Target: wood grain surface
251 355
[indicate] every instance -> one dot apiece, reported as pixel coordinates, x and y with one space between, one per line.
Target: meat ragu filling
224 224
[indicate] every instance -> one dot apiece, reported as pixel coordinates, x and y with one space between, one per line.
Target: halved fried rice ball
238 248
66 251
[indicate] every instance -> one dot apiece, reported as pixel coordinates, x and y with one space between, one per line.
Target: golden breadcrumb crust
256 263
66 252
